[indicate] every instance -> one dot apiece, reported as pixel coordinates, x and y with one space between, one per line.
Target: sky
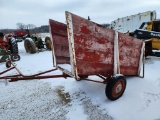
38 12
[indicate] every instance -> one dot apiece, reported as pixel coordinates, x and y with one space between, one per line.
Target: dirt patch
65 97
93 111
32 100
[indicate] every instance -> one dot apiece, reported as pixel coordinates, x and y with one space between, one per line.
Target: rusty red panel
129 54
59 42
94 48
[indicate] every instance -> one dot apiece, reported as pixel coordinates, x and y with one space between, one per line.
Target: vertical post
71 45
53 53
141 60
116 55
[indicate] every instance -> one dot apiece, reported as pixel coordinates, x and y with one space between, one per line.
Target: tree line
28 27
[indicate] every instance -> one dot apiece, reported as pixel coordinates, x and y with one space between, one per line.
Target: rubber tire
15 57
110 87
13 46
48 43
30 46
8 63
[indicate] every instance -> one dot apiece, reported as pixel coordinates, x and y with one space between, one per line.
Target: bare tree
21 26
30 26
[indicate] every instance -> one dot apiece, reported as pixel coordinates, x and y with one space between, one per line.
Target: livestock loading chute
91 49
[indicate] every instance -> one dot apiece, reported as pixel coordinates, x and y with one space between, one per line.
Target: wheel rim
9 63
15 57
118 88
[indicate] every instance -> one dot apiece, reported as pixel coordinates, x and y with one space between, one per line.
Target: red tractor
19 35
8 49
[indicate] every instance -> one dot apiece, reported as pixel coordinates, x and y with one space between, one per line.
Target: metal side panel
91 46
60 45
93 49
130 50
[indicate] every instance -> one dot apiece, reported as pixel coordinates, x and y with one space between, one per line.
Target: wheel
48 43
15 57
115 87
29 46
8 63
13 46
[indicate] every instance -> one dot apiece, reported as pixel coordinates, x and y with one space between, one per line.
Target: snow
68 99
65 66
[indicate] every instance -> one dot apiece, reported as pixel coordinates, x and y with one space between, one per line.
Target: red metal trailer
91 49
82 48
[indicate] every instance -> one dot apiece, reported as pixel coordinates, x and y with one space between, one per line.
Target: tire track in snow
149 98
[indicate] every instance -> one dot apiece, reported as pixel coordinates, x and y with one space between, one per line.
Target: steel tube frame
21 76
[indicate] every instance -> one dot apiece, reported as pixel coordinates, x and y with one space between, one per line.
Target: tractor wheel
29 46
8 63
15 57
115 87
48 43
13 46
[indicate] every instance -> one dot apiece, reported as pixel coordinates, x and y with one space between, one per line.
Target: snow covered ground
68 99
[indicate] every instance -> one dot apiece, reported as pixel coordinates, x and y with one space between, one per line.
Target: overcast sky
38 12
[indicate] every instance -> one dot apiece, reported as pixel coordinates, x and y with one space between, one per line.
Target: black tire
48 43
115 87
29 46
15 57
8 63
13 46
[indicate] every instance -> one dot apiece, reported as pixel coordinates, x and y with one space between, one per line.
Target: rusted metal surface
92 49
59 42
129 54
